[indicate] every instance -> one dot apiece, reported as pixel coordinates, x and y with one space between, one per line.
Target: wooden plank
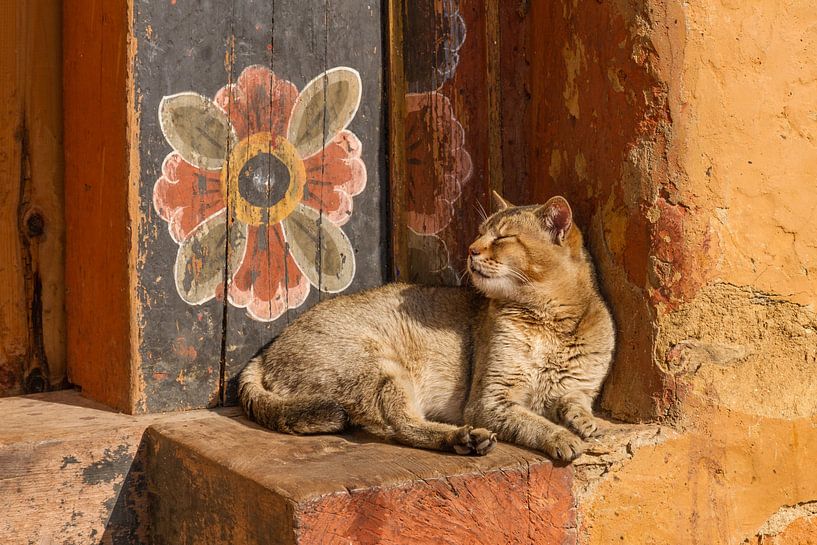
180 49
452 162
98 300
494 82
397 13
231 246
228 480
32 356
13 315
343 192
73 470
515 100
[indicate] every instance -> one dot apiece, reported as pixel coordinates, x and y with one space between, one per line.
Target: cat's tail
295 415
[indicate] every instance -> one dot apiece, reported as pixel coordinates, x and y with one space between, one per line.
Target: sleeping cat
524 355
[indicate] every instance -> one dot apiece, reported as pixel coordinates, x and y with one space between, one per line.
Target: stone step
226 480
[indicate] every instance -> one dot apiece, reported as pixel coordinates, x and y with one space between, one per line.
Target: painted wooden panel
462 129
444 134
32 356
257 186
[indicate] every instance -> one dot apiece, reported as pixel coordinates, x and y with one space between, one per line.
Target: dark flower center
263 180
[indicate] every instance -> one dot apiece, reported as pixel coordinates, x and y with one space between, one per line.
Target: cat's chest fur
546 353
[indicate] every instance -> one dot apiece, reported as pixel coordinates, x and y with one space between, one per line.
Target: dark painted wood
189 353
447 133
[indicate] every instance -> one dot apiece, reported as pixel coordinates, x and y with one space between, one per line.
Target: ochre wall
684 133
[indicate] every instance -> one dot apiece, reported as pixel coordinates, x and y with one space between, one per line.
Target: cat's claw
474 441
564 446
584 426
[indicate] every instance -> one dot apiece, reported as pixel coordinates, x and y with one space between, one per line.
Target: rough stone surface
684 132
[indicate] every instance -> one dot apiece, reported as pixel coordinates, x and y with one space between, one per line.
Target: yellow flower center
238 171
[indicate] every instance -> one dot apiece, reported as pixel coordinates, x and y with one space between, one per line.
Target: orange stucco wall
684 132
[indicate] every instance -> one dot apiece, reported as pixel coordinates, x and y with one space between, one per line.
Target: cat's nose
474 251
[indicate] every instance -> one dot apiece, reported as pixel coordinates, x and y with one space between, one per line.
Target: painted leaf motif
196 128
321 249
324 108
201 257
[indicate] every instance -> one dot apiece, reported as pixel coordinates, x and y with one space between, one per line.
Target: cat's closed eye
504 238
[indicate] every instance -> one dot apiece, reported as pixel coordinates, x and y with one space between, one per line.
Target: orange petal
185 195
334 176
268 281
259 101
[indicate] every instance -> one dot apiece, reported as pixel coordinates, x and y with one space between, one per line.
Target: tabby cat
520 358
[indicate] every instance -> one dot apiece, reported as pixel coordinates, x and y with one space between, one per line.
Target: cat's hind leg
402 415
298 414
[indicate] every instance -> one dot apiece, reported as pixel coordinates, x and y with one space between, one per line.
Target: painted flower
285 166
437 33
437 163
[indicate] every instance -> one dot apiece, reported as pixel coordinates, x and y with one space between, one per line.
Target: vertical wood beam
494 84
97 178
32 356
397 150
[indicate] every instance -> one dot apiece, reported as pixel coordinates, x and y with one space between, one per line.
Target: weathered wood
230 481
493 72
354 157
32 356
450 125
254 160
515 100
71 471
397 13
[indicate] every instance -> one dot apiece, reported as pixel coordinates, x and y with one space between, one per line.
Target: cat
520 356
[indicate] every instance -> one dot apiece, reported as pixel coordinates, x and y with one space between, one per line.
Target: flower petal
438 165
321 249
199 269
268 281
334 177
185 195
324 108
259 101
196 128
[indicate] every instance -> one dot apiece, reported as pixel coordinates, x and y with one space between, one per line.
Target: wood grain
397 12
98 299
227 480
32 330
71 470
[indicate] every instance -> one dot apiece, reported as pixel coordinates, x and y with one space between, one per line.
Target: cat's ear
557 218
499 202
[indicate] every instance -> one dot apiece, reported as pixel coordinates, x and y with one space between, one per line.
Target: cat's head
525 249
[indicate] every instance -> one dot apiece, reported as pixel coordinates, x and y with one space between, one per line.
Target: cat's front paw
584 426
477 441
564 446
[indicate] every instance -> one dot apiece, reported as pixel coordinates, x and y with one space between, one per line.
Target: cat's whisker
518 274
481 210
